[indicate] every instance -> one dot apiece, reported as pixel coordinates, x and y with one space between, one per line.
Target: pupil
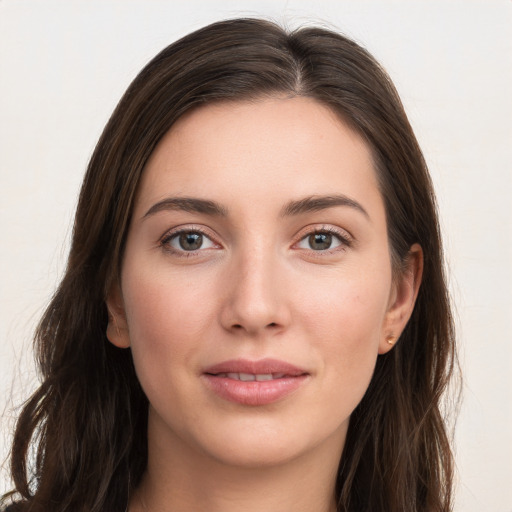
191 241
320 241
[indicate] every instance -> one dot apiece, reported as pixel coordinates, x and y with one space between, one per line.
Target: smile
254 383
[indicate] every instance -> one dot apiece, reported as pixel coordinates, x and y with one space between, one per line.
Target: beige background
64 64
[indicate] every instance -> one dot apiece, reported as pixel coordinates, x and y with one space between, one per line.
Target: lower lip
254 392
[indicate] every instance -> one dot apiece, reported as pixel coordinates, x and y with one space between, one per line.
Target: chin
257 456
263 445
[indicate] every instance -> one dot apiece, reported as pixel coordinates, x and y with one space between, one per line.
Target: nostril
238 327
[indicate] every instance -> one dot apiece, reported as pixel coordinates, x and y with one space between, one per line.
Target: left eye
189 241
320 241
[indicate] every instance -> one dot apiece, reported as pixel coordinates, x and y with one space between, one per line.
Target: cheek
350 305
168 321
344 320
167 317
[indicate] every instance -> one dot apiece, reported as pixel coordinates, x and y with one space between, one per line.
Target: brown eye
188 241
320 241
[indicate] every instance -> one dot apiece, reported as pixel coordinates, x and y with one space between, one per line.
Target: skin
256 288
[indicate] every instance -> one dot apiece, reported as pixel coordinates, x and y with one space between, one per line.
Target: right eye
188 241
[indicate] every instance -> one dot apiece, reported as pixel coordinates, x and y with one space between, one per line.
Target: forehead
257 150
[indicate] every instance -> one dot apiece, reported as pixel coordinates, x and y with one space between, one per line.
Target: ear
117 328
402 299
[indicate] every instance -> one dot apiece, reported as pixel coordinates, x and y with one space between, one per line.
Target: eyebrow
188 204
207 207
317 203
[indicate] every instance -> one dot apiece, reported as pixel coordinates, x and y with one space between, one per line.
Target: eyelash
344 239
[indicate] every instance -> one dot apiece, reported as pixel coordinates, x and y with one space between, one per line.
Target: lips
254 382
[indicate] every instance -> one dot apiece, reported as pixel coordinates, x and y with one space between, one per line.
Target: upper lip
261 367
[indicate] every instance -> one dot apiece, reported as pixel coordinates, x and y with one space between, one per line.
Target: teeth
250 377
264 376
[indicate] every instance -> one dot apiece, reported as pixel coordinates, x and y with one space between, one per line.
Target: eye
188 241
322 241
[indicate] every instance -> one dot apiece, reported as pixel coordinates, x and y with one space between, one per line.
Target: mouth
251 377
254 383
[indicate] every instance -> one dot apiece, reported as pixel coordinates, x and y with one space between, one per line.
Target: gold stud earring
391 340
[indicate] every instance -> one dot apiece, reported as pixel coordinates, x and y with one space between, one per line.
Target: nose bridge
255 301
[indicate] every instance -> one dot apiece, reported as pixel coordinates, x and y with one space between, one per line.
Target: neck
186 481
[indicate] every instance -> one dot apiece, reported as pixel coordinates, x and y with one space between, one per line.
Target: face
256 290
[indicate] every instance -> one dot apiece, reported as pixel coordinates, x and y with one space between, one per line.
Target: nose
255 301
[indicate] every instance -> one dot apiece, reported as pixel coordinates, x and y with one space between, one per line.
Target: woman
254 313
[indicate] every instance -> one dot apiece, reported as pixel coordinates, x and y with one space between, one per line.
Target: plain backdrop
64 65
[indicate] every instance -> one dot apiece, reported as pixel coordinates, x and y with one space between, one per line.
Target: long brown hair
86 423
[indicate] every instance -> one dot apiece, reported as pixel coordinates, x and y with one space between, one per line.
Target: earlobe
117 327
403 299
